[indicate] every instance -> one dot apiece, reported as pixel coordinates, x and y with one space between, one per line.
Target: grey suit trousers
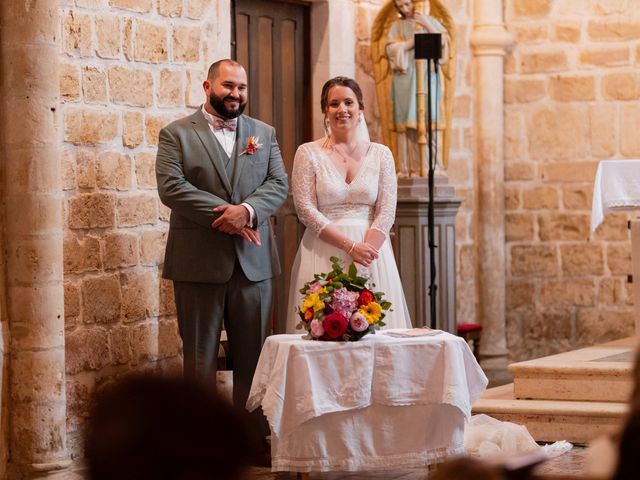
243 307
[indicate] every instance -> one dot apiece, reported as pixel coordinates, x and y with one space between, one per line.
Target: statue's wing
440 13
382 72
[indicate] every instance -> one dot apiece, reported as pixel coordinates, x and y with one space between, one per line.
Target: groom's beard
217 103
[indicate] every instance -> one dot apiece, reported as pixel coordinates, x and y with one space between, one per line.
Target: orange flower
253 145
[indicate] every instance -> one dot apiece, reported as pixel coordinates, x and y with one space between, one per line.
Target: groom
222 176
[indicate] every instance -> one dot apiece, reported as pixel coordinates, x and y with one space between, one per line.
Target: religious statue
392 50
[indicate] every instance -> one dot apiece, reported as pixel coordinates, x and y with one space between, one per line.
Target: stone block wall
572 98
128 67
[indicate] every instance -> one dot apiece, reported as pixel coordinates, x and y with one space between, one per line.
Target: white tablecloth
381 402
616 187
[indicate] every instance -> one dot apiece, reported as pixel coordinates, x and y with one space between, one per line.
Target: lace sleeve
303 188
385 212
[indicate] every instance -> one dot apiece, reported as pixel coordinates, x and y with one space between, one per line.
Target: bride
344 190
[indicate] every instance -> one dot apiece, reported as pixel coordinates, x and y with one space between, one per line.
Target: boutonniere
253 145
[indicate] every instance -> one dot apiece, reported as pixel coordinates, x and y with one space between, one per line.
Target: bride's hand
363 253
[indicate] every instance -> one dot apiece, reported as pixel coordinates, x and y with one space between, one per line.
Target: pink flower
314 287
344 301
317 330
358 322
335 325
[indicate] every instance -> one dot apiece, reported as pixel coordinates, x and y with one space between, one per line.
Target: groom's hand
251 235
233 219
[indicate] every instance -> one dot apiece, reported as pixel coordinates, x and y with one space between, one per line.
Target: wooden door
271 40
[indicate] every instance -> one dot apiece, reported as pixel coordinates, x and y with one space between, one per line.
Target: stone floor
568 464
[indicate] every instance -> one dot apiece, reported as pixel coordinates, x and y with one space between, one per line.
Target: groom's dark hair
340 82
215 67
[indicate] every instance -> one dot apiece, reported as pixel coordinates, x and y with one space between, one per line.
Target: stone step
552 420
602 373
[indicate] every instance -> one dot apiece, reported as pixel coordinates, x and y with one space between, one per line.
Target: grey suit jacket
192 180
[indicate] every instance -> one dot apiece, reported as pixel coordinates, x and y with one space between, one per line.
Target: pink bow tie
219 124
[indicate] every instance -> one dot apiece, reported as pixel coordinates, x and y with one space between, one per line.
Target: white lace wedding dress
322 197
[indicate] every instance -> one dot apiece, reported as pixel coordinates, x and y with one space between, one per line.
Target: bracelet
353 245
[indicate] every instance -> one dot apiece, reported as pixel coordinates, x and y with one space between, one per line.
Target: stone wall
572 95
128 67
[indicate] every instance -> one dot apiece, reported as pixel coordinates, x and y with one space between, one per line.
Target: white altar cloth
616 187
381 402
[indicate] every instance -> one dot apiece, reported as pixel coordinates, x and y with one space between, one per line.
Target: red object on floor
468 327
471 332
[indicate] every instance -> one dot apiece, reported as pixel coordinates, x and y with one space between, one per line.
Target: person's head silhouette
147 427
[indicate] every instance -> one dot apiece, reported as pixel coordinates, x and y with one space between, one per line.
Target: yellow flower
371 312
312 301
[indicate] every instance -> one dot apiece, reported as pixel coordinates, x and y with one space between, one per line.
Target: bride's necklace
349 152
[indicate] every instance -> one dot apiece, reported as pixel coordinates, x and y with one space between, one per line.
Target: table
382 402
617 188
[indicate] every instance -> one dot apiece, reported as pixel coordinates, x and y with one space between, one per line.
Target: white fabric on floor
486 437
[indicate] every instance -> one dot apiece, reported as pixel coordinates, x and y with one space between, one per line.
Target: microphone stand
429 46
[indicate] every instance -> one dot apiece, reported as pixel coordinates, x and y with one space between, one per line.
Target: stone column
490 42
31 146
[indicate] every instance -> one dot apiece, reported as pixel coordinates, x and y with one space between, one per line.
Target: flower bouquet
339 306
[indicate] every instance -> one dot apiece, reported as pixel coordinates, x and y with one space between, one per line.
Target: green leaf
385 305
353 271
